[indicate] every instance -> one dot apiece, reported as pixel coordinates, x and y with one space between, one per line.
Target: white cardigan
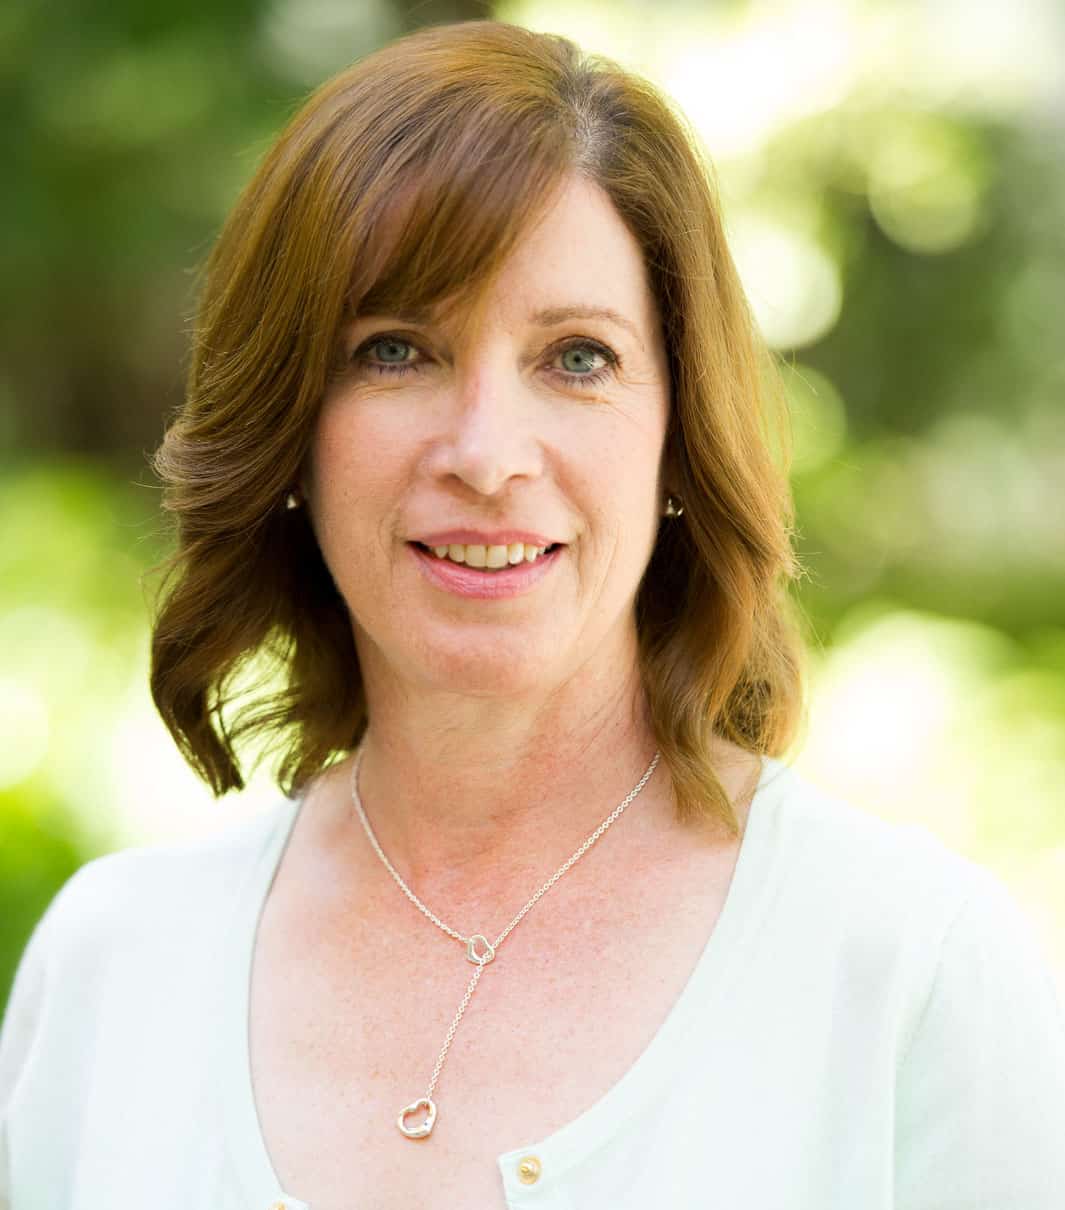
871 1026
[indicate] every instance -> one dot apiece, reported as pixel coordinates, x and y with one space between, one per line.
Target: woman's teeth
492 557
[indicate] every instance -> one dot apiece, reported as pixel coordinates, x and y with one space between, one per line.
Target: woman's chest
348 1025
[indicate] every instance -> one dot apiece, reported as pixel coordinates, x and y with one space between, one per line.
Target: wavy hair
403 183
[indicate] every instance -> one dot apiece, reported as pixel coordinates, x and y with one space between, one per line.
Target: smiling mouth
489 558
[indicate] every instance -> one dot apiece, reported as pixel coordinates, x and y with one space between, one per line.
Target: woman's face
536 419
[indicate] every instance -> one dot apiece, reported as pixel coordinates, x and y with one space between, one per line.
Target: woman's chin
414 653
485 669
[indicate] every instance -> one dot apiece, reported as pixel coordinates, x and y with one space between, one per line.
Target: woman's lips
511 581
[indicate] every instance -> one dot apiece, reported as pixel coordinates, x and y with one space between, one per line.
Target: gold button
529 1170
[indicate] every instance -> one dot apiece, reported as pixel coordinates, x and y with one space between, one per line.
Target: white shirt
871 1026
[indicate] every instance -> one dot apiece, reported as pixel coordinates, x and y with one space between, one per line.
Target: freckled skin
501 734
485 433
491 719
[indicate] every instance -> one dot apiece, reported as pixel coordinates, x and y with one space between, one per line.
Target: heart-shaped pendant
480 950
420 1131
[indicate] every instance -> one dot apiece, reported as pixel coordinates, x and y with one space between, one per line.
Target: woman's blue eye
387 355
390 350
579 368
579 359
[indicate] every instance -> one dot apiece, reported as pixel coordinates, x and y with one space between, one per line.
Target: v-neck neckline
564 1147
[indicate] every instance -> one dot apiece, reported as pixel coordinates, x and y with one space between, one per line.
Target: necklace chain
479 950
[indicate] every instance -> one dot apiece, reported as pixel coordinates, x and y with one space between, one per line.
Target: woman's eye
390 350
387 355
579 359
584 363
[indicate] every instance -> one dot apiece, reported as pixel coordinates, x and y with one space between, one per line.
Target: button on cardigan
872 1024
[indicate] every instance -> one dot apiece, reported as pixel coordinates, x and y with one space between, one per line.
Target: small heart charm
418 1132
479 950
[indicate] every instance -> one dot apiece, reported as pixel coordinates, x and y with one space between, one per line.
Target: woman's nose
489 437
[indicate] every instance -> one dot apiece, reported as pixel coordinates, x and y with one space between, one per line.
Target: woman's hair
402 184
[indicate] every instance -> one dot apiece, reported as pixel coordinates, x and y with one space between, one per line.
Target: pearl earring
674 507
293 499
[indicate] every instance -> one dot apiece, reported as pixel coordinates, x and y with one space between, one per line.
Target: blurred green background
893 179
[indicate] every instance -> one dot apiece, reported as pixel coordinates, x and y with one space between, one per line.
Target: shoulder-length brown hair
404 182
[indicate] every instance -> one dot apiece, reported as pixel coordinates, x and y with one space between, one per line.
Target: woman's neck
457 802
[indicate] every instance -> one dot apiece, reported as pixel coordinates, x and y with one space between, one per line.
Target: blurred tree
950 367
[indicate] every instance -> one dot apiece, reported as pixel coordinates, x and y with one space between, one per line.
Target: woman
478 523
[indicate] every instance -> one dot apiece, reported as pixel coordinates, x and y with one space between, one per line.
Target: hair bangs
447 223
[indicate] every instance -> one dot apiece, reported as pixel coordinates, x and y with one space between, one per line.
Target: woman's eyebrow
550 316
546 317
415 316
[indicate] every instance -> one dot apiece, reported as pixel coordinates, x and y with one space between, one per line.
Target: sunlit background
893 178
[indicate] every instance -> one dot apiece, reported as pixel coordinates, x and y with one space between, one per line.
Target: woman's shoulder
830 850
175 887
888 906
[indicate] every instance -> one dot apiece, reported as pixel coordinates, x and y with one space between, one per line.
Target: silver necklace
479 950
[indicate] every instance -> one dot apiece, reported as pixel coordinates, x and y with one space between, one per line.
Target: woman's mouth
487 573
489 558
